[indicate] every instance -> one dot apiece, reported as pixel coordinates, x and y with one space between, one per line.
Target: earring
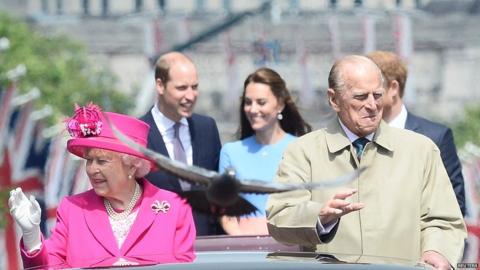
129 176
279 116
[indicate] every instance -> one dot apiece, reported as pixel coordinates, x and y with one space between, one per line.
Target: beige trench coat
410 206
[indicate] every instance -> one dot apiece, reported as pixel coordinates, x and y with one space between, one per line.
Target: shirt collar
351 136
338 140
399 120
164 123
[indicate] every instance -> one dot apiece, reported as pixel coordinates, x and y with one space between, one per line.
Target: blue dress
252 160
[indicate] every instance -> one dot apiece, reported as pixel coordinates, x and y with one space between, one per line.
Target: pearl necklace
120 216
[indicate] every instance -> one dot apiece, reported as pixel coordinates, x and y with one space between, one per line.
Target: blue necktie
359 145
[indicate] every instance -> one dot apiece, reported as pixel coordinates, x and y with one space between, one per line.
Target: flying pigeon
219 193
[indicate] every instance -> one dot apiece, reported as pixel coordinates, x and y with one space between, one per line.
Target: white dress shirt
351 136
400 120
166 128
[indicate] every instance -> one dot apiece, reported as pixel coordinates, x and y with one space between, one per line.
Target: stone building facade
300 39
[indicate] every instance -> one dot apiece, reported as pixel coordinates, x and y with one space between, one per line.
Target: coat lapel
97 221
335 143
145 217
157 144
196 145
155 139
383 137
411 123
193 139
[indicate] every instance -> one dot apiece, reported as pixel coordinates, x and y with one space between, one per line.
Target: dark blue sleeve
453 166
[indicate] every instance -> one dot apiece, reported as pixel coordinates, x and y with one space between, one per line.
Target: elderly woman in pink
122 220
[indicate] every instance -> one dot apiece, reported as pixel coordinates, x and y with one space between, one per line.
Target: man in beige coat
402 206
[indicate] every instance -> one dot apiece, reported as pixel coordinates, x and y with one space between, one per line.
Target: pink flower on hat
85 122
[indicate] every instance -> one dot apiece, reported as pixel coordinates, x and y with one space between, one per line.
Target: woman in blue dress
269 121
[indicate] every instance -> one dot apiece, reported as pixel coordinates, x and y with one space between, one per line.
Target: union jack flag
6 96
64 175
471 172
15 171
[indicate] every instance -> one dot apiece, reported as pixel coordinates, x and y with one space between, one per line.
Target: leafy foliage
3 206
468 129
59 68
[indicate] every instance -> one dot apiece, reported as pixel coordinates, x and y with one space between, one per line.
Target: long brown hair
292 121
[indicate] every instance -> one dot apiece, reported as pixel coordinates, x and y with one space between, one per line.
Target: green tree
468 129
60 69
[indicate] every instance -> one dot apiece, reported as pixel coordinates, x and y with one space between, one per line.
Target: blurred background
54 53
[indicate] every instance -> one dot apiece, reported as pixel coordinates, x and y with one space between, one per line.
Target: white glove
27 215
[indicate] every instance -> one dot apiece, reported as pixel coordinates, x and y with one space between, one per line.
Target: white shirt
400 120
166 128
351 136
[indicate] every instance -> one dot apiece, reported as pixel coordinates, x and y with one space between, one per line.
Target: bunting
5 112
369 33
403 35
234 90
306 91
470 158
404 48
15 172
64 175
333 30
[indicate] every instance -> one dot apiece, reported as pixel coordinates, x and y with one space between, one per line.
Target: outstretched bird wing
199 201
201 176
256 186
192 174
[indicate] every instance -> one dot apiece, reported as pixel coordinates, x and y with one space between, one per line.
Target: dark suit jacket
206 150
442 136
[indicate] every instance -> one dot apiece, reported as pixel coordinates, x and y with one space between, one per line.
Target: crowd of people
410 192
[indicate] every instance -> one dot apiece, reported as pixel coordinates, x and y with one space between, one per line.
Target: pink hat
89 129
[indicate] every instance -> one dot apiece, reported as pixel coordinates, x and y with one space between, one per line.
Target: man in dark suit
395 113
173 123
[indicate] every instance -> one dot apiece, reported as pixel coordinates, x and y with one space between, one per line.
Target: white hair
143 166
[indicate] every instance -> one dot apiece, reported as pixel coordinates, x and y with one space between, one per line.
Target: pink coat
83 236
